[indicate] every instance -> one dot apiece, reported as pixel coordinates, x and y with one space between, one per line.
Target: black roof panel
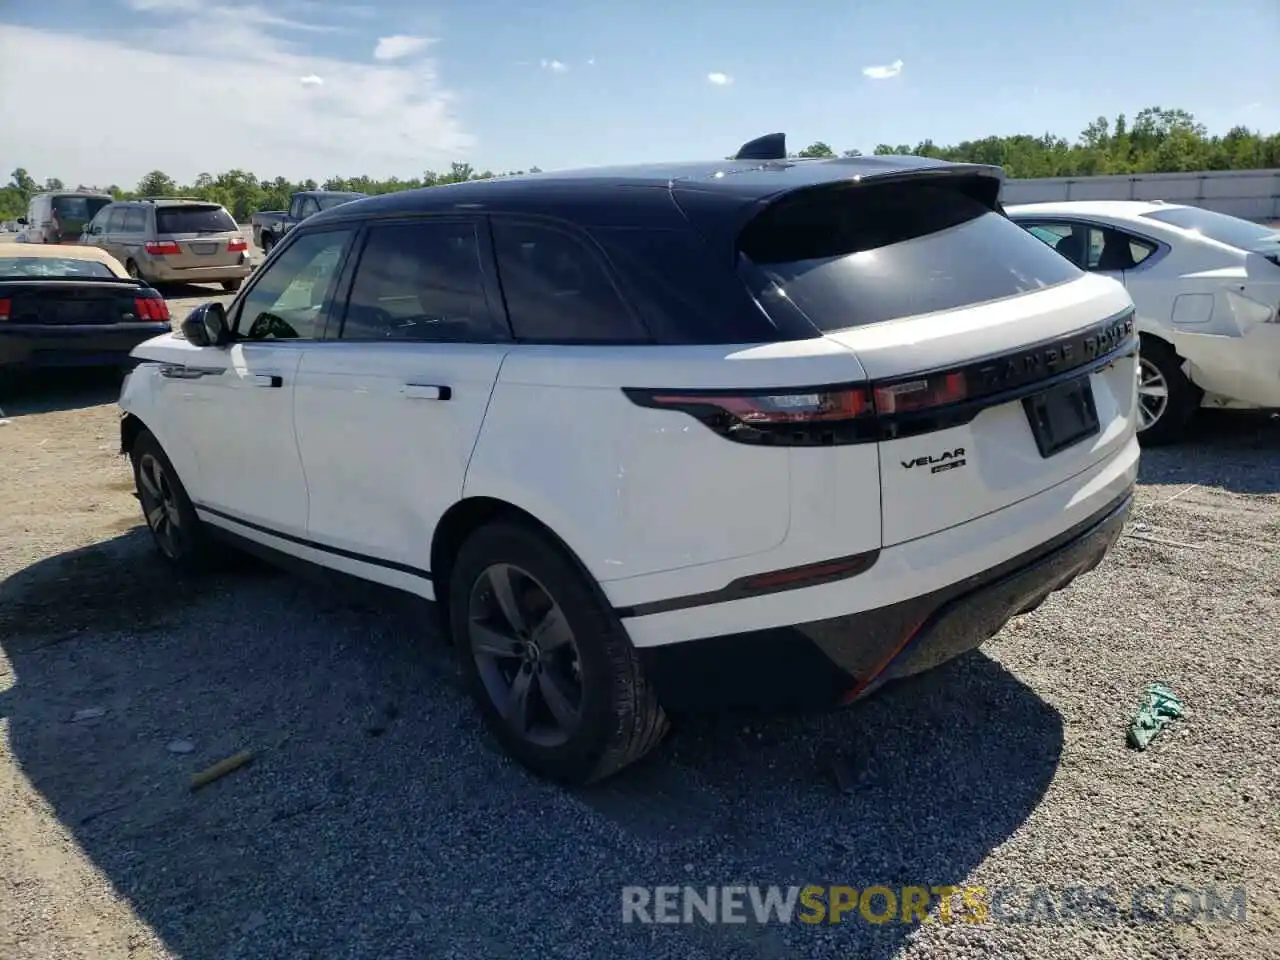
600 195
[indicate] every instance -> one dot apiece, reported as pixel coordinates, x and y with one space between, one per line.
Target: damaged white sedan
1207 291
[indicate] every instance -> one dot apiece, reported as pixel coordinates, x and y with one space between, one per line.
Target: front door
237 401
390 405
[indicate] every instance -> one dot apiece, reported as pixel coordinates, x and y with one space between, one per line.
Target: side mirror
23 221
206 326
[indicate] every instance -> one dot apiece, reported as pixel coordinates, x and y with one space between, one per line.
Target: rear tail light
151 307
163 248
237 246
921 393
6 308
819 415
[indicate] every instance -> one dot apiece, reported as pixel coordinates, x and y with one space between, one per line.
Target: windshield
1216 226
52 267
79 208
194 220
327 202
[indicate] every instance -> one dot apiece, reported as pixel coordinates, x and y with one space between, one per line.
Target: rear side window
210 219
78 208
855 255
557 290
683 293
135 220
421 281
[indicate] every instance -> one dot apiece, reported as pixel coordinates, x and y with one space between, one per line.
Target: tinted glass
289 299
193 220
557 291
115 219
872 253
51 267
82 209
420 281
327 202
682 293
1215 226
135 220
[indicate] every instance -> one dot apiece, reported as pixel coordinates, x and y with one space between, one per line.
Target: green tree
157 183
818 149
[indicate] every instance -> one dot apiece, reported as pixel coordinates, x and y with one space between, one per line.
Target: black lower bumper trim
824 663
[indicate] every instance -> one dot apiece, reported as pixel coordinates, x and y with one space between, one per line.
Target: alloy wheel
526 655
1153 394
160 505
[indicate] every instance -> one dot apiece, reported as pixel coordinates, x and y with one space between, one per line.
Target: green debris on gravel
1160 706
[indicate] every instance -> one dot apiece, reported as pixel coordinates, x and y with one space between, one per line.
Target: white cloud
258 107
394 48
555 66
719 79
884 72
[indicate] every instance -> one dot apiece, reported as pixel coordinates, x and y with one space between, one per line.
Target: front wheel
548 663
178 533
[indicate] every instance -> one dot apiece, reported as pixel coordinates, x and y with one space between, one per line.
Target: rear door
390 404
200 233
998 369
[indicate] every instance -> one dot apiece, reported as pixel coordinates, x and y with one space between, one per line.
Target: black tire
177 532
131 268
1160 367
619 718
231 286
266 244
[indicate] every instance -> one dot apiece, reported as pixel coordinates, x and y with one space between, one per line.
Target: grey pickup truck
270 225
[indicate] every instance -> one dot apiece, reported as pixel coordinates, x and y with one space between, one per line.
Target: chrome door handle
267 380
426 391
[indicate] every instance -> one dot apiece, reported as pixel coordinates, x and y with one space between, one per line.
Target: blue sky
304 88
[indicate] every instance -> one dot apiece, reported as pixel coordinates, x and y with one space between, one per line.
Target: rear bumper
825 663
159 272
29 346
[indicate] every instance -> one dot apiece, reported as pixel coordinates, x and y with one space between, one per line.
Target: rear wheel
547 661
231 286
1166 398
131 268
178 533
267 243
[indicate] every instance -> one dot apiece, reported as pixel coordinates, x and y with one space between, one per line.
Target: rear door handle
267 380
426 391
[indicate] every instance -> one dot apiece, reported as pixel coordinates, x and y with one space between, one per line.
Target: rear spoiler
121 281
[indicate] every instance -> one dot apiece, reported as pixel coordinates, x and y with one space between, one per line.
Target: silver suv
173 240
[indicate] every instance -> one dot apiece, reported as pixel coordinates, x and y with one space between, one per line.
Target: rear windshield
11 267
193 220
862 254
79 208
1215 226
327 202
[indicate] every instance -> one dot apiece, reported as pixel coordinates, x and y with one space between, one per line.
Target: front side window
421 281
115 220
309 206
557 290
289 300
849 256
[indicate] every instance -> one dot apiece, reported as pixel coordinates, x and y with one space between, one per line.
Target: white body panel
1216 304
383 455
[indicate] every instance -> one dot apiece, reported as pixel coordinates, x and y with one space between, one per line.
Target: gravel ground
376 819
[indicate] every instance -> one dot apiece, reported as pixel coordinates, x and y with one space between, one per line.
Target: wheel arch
131 426
470 514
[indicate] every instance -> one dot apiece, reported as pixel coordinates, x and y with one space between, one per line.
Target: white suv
662 438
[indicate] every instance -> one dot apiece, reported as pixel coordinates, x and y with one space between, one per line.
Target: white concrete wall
1252 194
